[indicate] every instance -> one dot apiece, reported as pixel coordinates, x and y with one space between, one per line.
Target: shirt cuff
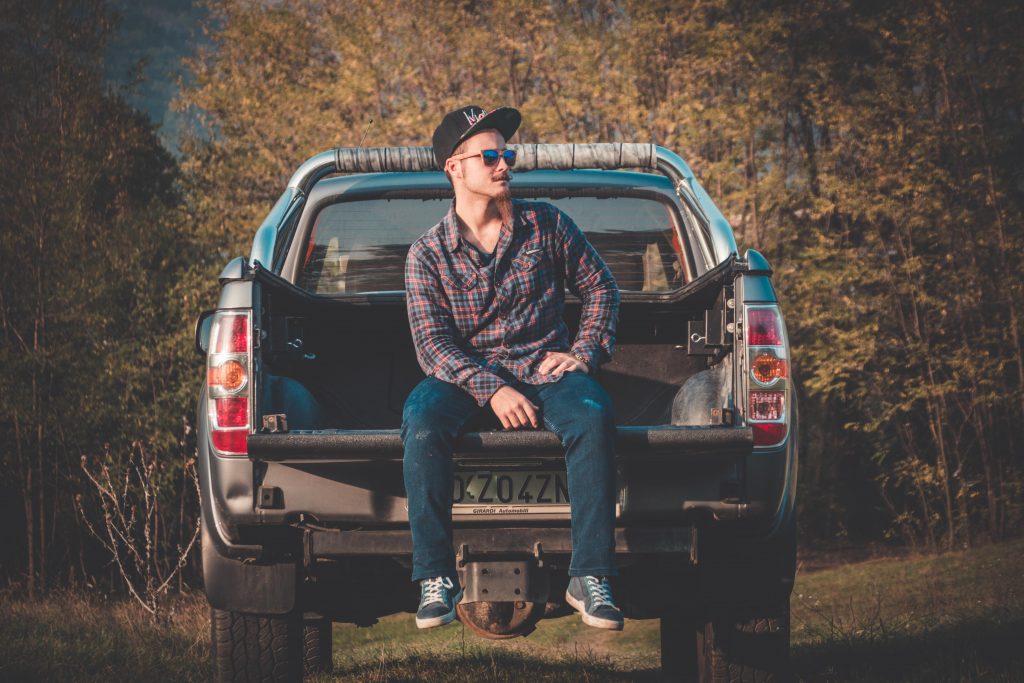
482 385
589 357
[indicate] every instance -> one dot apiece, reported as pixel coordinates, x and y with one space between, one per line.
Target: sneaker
592 598
437 602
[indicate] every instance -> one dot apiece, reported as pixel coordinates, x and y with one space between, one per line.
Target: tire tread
247 648
316 646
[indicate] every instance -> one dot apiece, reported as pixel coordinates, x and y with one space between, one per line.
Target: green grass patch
951 617
72 637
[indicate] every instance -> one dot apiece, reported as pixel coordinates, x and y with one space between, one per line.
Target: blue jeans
576 408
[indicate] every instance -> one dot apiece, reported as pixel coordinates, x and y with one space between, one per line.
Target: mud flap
247 587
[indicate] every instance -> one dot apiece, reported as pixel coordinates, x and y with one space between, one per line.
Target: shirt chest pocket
465 294
531 274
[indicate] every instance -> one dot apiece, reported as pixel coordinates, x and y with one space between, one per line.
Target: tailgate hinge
275 424
713 336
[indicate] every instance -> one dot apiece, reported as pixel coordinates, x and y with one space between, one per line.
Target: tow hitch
503 598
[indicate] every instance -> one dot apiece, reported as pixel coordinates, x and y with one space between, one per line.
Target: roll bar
717 233
531 158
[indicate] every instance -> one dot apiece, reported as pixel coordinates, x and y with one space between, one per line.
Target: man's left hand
557 361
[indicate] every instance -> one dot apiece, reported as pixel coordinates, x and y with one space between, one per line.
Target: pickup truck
309 360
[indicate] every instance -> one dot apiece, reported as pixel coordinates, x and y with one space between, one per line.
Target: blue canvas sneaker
592 598
437 602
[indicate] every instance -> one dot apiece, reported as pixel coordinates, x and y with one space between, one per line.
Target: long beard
504 202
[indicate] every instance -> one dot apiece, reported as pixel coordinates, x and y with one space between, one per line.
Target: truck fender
242 583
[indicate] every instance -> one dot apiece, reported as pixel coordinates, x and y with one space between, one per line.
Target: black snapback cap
462 123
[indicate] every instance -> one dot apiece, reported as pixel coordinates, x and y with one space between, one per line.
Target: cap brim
505 120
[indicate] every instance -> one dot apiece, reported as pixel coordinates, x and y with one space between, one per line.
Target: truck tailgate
634 443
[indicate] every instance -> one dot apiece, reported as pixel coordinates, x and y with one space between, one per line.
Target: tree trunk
26 497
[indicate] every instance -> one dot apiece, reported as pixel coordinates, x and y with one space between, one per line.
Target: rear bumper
472 544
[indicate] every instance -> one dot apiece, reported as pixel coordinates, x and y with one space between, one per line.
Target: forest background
872 150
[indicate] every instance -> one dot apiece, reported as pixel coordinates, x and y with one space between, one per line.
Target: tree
93 323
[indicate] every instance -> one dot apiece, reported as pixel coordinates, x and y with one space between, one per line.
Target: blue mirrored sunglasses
491 156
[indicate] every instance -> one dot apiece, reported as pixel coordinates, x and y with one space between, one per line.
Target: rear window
360 246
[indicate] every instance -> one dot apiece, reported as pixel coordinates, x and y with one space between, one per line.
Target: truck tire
678 648
744 634
745 644
316 646
249 647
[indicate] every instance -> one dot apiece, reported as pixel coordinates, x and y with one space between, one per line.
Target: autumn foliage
871 150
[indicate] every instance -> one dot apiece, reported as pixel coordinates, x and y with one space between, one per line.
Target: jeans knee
418 433
593 419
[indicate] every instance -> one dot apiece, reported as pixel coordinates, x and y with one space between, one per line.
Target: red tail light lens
232 441
767 357
227 377
769 434
232 412
231 335
764 327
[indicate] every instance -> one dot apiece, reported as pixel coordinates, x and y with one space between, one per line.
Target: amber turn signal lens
229 375
767 368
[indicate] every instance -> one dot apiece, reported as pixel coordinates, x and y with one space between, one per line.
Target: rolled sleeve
588 277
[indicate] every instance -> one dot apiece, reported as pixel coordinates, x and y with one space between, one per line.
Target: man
485 292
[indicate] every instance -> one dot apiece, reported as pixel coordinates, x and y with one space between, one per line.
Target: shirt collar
450 223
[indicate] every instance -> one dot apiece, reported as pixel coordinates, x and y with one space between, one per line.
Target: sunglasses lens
490 156
510 157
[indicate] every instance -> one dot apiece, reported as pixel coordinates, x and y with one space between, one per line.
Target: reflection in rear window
360 246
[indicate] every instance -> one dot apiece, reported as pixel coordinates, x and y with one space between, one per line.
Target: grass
952 617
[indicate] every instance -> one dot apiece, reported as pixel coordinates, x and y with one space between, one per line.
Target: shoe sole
589 619
441 620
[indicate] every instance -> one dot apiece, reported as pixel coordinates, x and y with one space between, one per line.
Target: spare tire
501 620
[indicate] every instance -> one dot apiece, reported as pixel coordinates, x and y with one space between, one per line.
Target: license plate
510 488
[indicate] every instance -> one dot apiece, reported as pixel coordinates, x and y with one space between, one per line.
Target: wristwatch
581 358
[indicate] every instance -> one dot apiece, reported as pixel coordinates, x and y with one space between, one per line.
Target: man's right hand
513 409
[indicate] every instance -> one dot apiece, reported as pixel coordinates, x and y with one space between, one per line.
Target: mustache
502 176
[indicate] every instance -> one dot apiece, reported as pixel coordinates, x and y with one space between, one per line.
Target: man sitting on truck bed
485 291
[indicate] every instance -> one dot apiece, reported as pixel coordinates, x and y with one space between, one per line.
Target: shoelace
433 589
600 591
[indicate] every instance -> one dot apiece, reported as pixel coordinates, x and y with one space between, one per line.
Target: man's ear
453 167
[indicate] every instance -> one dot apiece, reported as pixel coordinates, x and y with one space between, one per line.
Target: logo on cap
473 116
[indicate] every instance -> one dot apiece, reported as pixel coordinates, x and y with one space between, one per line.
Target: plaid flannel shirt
482 327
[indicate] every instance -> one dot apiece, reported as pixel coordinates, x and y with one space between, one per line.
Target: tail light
228 381
768 362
